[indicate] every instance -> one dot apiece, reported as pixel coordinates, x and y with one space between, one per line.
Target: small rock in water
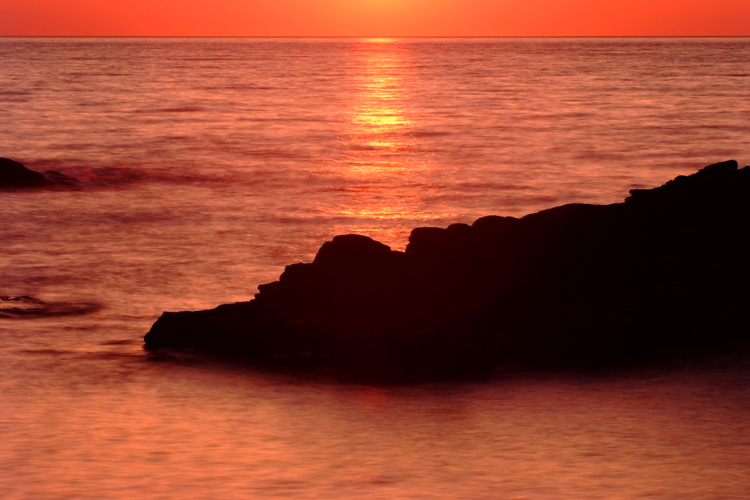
15 176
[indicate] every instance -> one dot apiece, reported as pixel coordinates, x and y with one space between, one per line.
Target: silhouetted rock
351 250
15 176
661 276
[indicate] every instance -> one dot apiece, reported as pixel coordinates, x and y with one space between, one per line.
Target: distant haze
381 18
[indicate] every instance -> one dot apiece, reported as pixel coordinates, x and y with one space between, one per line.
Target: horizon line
374 36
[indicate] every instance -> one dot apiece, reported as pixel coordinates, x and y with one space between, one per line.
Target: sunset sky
376 17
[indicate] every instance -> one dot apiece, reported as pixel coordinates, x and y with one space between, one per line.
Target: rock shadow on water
662 276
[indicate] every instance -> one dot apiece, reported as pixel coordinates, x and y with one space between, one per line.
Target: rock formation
661 276
15 176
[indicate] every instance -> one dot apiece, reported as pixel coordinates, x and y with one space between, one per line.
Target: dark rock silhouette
15 176
662 276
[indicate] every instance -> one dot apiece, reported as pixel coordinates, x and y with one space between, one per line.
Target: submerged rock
58 179
15 176
28 307
661 276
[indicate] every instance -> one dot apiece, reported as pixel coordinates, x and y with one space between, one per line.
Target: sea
208 164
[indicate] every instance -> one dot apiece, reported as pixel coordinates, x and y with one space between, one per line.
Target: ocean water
207 165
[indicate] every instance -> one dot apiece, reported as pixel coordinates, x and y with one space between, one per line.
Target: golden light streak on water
380 119
381 137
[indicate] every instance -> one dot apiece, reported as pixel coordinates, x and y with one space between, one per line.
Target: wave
74 173
175 109
28 307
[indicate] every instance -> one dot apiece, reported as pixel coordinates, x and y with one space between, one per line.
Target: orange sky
376 17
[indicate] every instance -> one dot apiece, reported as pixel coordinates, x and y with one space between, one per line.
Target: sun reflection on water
383 157
380 119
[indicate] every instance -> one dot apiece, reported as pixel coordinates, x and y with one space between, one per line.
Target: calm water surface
209 164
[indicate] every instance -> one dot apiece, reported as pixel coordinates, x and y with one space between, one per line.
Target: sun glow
375 18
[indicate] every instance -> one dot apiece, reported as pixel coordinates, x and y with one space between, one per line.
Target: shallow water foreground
107 422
